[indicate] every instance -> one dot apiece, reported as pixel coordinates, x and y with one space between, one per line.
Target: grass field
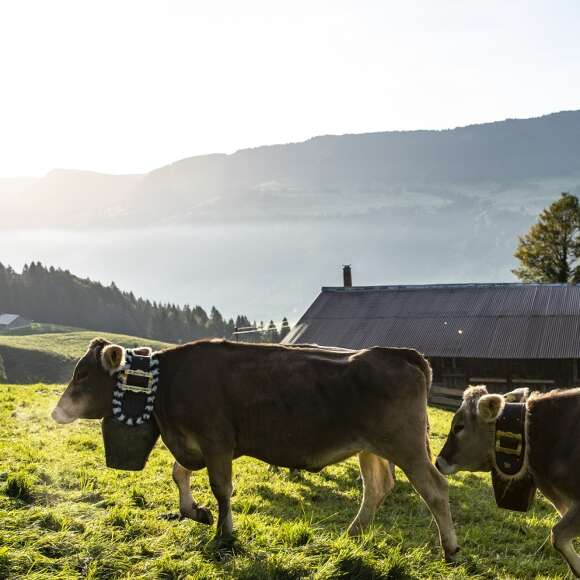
50 356
64 515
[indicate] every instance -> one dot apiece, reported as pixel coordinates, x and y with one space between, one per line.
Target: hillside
57 296
322 177
51 357
358 174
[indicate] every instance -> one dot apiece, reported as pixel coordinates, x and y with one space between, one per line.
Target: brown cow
553 451
294 407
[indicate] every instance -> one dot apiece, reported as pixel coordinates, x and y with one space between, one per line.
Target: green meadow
48 353
63 514
71 344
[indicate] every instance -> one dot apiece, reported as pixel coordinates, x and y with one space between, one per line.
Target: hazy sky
121 86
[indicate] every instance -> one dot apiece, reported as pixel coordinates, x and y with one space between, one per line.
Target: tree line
56 296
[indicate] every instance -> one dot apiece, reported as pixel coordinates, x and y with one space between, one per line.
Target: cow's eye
82 375
457 429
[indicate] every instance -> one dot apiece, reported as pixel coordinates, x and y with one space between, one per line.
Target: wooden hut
501 335
13 322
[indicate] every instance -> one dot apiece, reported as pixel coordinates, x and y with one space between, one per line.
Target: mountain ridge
315 138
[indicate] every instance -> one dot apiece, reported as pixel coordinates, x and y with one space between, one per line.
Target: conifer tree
284 328
216 325
272 333
550 251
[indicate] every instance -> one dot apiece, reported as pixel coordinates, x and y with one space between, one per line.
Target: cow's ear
517 395
98 343
112 357
489 407
474 392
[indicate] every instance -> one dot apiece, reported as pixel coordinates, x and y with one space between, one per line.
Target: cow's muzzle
61 416
444 467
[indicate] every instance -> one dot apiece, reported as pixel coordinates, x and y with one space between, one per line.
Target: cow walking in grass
301 408
552 451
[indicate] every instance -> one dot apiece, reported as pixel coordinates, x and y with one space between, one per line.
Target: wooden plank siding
446 397
450 398
501 376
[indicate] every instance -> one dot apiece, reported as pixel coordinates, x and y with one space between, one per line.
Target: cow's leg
555 498
434 490
563 534
378 481
219 469
187 506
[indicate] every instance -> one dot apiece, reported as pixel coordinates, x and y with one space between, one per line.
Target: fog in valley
262 269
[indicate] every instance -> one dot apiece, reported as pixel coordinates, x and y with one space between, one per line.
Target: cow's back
337 375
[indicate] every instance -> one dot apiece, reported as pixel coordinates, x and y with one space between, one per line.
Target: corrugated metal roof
525 321
6 319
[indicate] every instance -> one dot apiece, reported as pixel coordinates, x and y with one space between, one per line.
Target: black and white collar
136 390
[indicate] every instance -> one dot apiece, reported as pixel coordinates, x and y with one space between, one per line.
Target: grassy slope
75 518
51 356
39 328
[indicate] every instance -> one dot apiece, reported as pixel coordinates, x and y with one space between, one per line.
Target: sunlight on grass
71 344
64 515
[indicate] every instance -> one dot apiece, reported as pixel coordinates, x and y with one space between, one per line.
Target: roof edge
445 286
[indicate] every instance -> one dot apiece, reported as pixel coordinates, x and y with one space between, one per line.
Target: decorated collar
510 440
137 382
513 484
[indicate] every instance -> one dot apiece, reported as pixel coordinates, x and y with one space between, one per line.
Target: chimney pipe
347 276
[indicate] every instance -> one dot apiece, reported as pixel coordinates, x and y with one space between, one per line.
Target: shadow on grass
325 501
483 529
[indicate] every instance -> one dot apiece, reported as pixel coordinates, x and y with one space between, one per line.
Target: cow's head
469 445
90 390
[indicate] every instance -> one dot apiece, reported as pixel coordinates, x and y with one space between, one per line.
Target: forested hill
59 297
512 161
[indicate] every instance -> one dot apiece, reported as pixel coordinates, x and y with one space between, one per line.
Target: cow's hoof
225 547
355 529
451 556
203 515
224 542
198 514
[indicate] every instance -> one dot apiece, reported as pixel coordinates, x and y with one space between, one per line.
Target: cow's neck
166 395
